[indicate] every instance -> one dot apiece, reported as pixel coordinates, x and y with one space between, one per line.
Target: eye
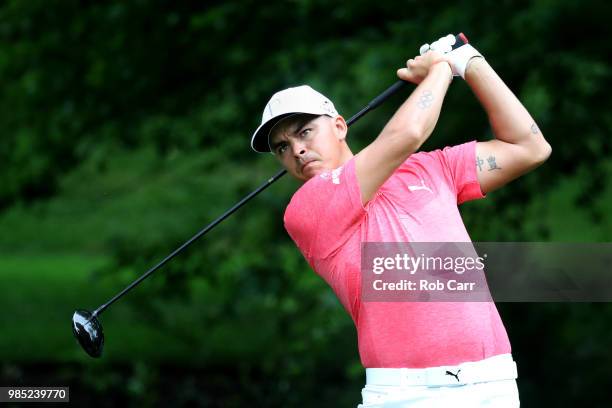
306 132
281 148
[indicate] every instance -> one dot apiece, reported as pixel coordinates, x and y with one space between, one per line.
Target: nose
299 149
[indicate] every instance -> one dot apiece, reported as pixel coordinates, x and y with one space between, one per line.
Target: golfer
416 354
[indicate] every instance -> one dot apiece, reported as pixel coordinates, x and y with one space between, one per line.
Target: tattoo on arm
492 164
425 100
479 163
534 129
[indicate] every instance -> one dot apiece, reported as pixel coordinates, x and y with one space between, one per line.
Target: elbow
541 152
405 140
415 137
545 151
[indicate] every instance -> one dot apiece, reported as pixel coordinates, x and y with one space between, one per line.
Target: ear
340 127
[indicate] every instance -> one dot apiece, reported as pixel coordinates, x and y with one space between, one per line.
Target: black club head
88 331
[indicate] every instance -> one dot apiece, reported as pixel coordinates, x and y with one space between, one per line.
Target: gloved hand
456 51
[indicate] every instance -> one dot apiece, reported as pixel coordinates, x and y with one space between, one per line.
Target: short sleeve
460 162
325 212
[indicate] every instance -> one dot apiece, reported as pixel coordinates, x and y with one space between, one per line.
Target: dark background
126 128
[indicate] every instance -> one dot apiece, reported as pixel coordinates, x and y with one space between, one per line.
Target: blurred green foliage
125 129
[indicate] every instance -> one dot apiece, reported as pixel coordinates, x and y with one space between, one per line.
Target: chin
311 172
306 177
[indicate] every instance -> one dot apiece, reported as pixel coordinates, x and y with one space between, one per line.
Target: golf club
85 325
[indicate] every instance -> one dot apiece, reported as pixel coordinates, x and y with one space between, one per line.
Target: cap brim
259 141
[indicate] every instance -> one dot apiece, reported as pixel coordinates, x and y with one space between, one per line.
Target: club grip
460 39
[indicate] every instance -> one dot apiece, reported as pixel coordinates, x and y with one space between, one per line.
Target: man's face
308 145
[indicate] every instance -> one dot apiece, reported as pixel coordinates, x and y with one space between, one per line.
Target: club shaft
202 232
370 106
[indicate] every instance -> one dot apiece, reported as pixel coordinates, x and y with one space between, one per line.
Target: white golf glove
459 53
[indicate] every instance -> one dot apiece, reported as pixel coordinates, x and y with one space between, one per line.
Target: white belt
500 367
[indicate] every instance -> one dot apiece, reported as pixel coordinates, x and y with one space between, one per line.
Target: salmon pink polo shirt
418 203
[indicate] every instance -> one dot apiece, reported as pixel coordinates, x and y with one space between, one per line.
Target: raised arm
409 127
519 145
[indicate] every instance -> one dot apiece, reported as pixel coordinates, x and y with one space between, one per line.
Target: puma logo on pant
456 375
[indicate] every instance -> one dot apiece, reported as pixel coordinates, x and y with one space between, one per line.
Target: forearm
416 118
510 120
405 132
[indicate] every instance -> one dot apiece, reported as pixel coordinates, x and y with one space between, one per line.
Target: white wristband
460 57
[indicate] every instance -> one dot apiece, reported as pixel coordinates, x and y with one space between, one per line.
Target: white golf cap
290 101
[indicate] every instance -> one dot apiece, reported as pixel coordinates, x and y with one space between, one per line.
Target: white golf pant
487 383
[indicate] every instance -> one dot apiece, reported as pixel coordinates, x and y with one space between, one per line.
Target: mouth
305 165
